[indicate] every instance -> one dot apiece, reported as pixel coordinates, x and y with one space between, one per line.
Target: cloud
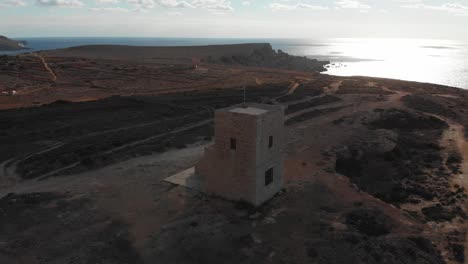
452 8
351 4
142 5
109 9
246 3
215 5
289 7
62 3
409 1
174 4
106 2
12 3
174 13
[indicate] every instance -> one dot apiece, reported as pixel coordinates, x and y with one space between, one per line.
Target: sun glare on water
435 61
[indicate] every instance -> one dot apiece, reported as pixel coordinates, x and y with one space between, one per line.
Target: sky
440 19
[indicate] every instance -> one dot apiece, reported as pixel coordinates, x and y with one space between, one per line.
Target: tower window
233 143
268 176
270 141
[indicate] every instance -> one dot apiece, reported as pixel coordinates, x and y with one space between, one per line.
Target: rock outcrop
265 56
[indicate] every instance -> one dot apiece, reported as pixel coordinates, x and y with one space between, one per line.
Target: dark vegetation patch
219 98
359 86
430 104
440 213
417 87
355 248
458 251
173 141
89 132
314 102
59 102
453 108
370 222
404 121
413 168
454 157
454 161
50 228
312 88
300 234
311 114
204 238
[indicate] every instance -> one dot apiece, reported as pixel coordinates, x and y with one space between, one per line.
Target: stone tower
246 160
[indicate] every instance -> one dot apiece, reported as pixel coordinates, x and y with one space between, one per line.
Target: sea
425 60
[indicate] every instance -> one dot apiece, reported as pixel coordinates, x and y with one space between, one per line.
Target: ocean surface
424 60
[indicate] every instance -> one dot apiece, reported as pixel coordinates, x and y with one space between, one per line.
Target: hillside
7 44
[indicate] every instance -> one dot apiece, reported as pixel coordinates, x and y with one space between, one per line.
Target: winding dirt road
453 139
47 67
462 179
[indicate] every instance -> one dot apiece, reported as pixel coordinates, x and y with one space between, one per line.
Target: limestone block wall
239 174
269 125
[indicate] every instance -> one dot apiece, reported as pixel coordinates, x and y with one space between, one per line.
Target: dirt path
453 140
47 67
8 176
8 167
289 90
131 144
319 107
140 125
462 179
174 131
292 88
333 88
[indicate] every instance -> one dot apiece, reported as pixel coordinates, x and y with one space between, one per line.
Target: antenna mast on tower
244 102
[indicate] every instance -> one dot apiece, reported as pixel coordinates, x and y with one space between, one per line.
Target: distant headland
248 54
7 44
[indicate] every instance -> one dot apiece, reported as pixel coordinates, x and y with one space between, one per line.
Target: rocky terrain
7 44
267 57
376 169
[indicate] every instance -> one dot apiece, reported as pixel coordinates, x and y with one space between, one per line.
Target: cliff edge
265 56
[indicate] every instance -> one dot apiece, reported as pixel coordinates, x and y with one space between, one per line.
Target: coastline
109 70
415 60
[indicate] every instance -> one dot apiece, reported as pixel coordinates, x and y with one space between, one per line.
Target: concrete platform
188 179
